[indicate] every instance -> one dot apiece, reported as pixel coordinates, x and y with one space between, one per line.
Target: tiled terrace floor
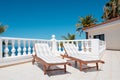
108 71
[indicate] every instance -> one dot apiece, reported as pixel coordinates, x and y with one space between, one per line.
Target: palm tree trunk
114 8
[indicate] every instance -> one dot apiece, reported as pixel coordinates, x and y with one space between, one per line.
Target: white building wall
112 35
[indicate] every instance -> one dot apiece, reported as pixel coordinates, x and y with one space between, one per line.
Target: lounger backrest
42 49
70 49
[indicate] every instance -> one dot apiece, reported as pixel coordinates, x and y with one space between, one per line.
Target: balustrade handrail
11 38
76 40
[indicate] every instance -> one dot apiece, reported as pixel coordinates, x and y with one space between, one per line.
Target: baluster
19 48
13 48
72 42
63 50
82 46
59 46
50 43
6 48
87 46
29 48
39 41
33 48
68 41
76 44
24 48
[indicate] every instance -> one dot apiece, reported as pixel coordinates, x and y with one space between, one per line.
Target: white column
6 48
29 48
87 46
59 46
33 49
1 53
19 48
24 48
13 48
54 44
76 44
82 46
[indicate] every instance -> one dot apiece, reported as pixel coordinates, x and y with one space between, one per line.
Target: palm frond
64 37
2 28
69 37
111 9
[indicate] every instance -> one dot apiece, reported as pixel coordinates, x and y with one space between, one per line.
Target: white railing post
59 46
95 46
33 48
6 48
24 47
29 48
53 44
13 48
1 54
19 49
82 46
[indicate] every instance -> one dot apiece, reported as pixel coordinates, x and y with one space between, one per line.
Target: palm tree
2 28
86 21
111 9
69 37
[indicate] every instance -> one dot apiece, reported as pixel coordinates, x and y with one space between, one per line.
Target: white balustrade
25 46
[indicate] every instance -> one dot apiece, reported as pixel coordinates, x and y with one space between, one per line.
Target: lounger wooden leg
62 57
33 60
75 63
44 69
97 67
65 68
80 66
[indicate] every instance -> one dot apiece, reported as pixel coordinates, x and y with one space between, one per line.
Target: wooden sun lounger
46 65
80 61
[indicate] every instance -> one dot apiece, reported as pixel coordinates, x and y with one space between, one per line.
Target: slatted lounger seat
44 55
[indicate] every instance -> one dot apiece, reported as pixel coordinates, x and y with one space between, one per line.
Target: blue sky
42 18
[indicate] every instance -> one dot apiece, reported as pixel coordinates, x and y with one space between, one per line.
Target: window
100 36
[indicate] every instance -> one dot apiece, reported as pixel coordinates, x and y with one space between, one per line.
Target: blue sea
16 51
